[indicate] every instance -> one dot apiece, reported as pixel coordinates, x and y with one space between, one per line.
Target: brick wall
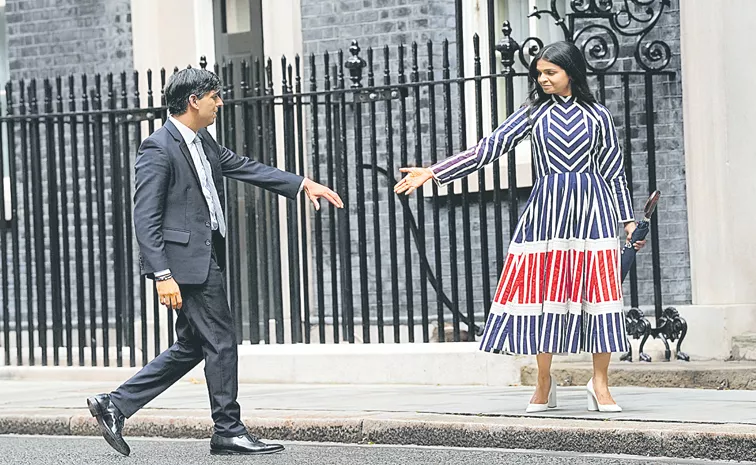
329 25
51 37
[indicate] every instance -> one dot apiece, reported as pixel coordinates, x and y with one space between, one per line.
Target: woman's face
553 79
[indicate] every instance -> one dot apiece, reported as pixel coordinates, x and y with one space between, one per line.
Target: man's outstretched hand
317 191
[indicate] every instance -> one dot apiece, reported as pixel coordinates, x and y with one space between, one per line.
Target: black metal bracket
137 116
368 96
637 327
671 328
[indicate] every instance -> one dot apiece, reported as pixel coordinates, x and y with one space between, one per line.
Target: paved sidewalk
656 421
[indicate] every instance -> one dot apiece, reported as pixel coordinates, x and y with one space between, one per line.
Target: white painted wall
170 33
719 121
720 157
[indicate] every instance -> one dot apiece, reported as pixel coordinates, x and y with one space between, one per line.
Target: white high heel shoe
552 403
593 404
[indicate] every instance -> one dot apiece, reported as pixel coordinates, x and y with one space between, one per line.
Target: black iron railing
385 268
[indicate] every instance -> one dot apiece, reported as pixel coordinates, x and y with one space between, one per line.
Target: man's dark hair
188 82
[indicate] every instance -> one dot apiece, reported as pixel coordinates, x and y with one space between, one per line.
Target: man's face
207 107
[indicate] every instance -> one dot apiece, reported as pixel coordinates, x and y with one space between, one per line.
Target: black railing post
318 218
628 161
53 224
126 148
355 64
390 165
295 307
250 211
302 200
330 175
89 201
81 322
4 251
39 222
15 224
406 213
420 200
507 48
232 207
274 243
144 286
377 233
651 149
440 325
451 214
258 197
116 183
65 237
344 230
26 136
102 270
482 204
261 200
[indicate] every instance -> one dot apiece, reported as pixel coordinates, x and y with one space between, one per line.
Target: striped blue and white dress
560 290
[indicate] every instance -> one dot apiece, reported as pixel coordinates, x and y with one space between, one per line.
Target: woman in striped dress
560 290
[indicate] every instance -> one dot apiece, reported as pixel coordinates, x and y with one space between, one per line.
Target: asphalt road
59 450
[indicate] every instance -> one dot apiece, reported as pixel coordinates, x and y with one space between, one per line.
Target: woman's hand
629 228
415 178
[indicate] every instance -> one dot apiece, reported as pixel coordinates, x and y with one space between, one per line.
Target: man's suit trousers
205 330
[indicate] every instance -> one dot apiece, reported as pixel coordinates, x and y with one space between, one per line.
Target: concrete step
449 364
744 347
675 374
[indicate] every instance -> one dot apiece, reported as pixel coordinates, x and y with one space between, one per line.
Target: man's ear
193 102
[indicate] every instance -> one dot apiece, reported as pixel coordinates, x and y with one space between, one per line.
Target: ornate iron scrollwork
637 327
600 43
674 327
671 328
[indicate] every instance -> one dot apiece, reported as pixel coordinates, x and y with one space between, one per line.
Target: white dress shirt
189 137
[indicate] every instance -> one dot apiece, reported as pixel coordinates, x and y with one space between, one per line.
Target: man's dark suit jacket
171 216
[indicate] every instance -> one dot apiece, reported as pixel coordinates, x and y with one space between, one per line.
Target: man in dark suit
181 229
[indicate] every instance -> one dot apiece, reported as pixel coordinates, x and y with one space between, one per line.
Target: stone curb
704 441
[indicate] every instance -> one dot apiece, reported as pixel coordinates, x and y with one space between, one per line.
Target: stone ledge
697 375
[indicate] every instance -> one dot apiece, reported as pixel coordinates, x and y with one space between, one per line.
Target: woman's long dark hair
568 57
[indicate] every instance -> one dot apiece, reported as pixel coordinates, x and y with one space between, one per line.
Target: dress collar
563 100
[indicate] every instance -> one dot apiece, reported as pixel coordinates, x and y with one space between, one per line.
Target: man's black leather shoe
110 420
241 445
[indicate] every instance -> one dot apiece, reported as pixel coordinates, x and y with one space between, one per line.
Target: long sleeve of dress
511 132
612 168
